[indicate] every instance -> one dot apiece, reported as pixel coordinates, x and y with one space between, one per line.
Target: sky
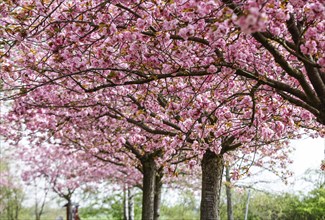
308 154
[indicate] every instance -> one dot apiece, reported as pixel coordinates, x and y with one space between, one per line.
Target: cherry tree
66 170
275 43
203 131
212 75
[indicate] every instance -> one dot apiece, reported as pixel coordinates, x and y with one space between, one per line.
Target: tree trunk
212 171
125 203
158 185
149 174
247 204
37 216
230 213
69 210
131 204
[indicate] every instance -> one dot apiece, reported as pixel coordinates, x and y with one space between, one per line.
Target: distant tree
11 193
315 177
185 207
109 208
311 206
286 206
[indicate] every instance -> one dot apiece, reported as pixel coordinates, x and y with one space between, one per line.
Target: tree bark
212 171
247 204
131 204
158 186
125 203
69 209
37 216
149 175
230 213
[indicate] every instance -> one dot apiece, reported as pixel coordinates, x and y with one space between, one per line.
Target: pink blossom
212 69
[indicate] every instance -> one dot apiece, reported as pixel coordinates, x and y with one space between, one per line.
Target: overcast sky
308 154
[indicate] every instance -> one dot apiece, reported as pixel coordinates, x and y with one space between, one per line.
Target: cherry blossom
160 82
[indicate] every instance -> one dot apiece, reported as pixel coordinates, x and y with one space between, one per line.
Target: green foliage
185 209
48 214
110 209
310 207
11 196
10 203
268 206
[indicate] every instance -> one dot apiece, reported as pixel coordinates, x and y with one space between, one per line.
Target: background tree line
262 204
